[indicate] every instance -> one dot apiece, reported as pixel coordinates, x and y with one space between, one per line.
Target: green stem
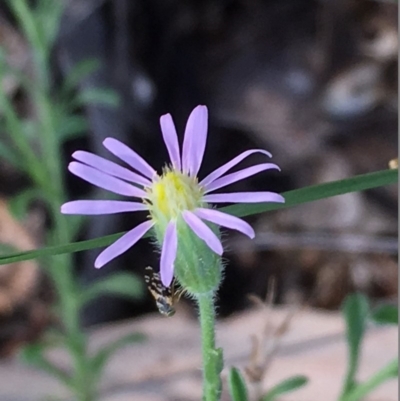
27 20
29 162
212 357
53 187
361 390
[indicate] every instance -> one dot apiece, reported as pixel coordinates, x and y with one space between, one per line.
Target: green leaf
123 284
78 72
286 386
19 204
33 354
100 359
60 249
355 310
295 197
219 360
9 156
237 385
30 128
386 314
361 391
47 15
100 96
320 191
71 127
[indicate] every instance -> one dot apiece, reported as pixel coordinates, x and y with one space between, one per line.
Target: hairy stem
212 357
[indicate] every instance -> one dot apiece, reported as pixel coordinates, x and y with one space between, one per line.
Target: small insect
165 297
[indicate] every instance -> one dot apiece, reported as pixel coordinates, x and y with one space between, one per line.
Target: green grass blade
318 192
293 198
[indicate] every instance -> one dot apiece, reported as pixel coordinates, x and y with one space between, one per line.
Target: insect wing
163 296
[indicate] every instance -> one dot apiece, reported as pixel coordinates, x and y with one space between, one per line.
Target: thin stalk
212 358
28 23
54 188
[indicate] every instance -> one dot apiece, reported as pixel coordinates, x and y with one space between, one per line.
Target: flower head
175 200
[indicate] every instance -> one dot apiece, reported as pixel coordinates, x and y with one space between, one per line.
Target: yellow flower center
172 193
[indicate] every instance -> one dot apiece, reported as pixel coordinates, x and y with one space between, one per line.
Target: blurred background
313 82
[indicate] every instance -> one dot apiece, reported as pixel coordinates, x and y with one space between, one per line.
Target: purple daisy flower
172 198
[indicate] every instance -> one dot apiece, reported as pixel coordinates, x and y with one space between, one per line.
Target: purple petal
239 175
129 156
244 197
225 220
203 232
105 181
109 167
91 207
195 139
122 244
168 254
227 166
171 140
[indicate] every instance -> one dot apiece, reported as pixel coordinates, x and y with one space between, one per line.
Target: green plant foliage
33 354
7 154
100 96
19 204
355 311
48 13
360 391
34 147
99 360
78 72
237 385
286 386
122 284
293 198
386 314
5 248
71 127
316 192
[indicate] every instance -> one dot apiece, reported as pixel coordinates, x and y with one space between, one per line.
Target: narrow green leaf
386 314
9 156
19 204
361 391
100 359
219 360
286 386
47 14
79 72
33 354
123 284
60 249
293 198
237 385
320 191
101 96
71 127
355 311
